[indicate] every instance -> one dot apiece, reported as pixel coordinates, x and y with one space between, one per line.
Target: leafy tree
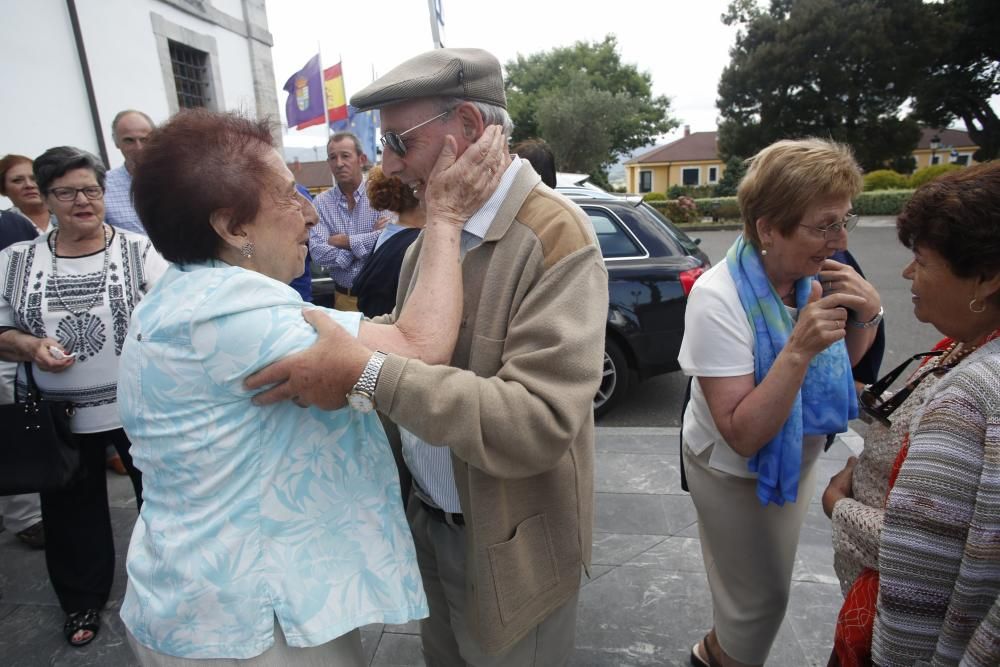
838 69
964 71
589 106
736 169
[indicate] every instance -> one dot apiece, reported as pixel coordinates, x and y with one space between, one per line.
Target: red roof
948 138
695 146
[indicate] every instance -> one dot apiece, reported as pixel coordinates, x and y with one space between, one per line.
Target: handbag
41 453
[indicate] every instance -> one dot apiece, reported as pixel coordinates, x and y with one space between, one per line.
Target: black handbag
41 453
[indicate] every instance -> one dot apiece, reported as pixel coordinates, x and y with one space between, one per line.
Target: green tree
736 169
964 71
837 69
589 106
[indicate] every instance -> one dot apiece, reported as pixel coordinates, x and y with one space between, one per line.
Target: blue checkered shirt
118 210
344 264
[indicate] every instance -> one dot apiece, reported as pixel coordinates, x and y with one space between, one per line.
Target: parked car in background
579 185
652 266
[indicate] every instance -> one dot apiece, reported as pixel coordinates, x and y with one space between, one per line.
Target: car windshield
653 214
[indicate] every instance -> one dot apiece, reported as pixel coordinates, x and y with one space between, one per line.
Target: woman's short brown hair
389 193
957 216
788 177
197 163
6 163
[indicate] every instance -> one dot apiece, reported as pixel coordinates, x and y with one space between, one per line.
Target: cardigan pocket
523 567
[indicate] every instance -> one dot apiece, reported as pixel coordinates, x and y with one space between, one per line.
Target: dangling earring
977 311
247 249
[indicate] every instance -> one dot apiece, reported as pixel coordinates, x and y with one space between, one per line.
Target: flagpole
322 83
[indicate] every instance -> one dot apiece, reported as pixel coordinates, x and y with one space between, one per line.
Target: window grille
190 75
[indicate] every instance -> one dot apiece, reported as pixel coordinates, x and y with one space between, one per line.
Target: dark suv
651 268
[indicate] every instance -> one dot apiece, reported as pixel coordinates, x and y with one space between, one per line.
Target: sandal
33 536
696 655
87 621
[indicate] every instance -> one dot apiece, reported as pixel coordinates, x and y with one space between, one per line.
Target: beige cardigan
515 406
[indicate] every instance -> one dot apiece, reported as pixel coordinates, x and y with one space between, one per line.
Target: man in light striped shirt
129 129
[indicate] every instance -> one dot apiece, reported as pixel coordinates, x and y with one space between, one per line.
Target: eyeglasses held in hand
394 140
848 224
871 398
69 194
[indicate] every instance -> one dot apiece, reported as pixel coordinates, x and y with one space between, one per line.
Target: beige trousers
749 553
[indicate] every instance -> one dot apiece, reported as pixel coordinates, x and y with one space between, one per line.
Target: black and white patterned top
28 303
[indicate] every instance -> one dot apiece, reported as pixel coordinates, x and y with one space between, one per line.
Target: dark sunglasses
871 398
394 140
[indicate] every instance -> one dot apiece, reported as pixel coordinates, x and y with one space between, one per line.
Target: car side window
614 240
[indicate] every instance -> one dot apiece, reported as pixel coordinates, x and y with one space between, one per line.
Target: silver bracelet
873 322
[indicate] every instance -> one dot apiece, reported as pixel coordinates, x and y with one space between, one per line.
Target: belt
441 516
346 291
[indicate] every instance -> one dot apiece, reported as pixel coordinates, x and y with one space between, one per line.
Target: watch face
360 402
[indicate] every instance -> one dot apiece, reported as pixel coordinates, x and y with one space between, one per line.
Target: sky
682 44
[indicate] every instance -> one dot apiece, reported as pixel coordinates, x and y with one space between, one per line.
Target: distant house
694 159
942 146
690 161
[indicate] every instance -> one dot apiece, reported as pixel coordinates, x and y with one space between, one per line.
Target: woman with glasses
65 302
931 559
770 337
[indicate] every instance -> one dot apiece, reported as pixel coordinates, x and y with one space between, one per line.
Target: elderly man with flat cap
500 443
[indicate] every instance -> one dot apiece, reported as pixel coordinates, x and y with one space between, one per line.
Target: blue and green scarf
827 398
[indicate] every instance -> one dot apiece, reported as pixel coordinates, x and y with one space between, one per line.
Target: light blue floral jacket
251 513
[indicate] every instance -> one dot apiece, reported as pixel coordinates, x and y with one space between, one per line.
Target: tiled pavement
646 603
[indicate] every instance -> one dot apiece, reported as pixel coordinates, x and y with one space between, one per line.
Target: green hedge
881 202
721 208
925 174
654 196
885 179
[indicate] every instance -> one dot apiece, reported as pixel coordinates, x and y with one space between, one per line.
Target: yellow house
691 160
942 146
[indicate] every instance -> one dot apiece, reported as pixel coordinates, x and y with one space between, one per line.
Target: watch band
369 376
873 322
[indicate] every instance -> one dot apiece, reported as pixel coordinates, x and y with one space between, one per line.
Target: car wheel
614 379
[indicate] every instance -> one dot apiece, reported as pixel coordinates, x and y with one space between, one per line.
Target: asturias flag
304 106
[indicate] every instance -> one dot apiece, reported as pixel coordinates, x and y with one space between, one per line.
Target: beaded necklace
104 274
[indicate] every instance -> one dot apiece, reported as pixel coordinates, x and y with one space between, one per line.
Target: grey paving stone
621 472
396 650
658 614
371 635
681 554
662 441
617 549
641 514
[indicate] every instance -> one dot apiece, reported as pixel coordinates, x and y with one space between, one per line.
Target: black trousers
79 545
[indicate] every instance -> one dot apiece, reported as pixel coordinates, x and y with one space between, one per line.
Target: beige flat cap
470 74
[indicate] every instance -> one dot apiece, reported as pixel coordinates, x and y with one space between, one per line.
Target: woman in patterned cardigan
938 561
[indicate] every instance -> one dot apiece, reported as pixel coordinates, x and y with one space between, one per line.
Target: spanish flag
336 99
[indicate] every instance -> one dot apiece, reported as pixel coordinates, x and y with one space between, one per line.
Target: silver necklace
104 275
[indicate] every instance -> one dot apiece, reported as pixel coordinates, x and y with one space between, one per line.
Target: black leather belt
346 291
443 517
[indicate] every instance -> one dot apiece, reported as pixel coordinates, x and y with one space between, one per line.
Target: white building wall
45 100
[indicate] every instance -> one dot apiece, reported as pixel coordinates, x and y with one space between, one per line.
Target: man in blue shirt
129 129
348 225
